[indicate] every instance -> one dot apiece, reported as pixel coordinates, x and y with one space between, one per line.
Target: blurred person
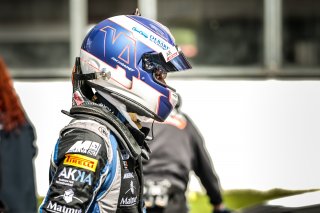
119 77
17 151
176 149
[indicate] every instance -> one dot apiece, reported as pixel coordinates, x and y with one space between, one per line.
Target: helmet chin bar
163 84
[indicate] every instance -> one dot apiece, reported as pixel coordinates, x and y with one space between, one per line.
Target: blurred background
253 91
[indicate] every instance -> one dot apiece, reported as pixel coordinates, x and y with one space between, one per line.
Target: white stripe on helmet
148 37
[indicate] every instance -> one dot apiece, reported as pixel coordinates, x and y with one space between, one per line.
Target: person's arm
203 167
79 162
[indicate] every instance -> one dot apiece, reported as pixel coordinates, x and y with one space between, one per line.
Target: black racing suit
177 149
95 166
17 183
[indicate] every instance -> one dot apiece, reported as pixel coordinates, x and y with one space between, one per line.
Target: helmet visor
178 63
174 62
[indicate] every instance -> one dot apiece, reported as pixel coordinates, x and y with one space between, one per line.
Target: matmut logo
54 207
81 161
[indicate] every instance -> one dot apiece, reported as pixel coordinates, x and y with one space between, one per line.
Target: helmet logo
158 42
140 31
122 44
170 55
126 53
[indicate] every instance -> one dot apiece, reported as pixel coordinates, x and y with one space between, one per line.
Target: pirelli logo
81 161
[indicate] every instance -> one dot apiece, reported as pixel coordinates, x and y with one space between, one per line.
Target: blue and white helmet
132 56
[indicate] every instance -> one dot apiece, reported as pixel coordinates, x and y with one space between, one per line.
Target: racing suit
177 149
96 164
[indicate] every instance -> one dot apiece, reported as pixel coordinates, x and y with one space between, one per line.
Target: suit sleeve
202 165
78 165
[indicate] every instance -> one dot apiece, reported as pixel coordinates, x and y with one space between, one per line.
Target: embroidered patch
81 161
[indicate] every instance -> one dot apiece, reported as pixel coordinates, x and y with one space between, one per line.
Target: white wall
260 134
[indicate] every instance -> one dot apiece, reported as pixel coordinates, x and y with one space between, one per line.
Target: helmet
129 57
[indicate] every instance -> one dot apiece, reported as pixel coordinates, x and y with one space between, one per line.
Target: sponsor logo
85 147
54 207
140 32
122 64
69 175
170 57
131 189
158 42
124 155
128 175
170 54
123 45
64 182
103 130
128 201
68 196
125 164
81 161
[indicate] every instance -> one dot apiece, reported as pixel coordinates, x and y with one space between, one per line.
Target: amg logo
128 201
60 208
81 161
128 175
86 147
